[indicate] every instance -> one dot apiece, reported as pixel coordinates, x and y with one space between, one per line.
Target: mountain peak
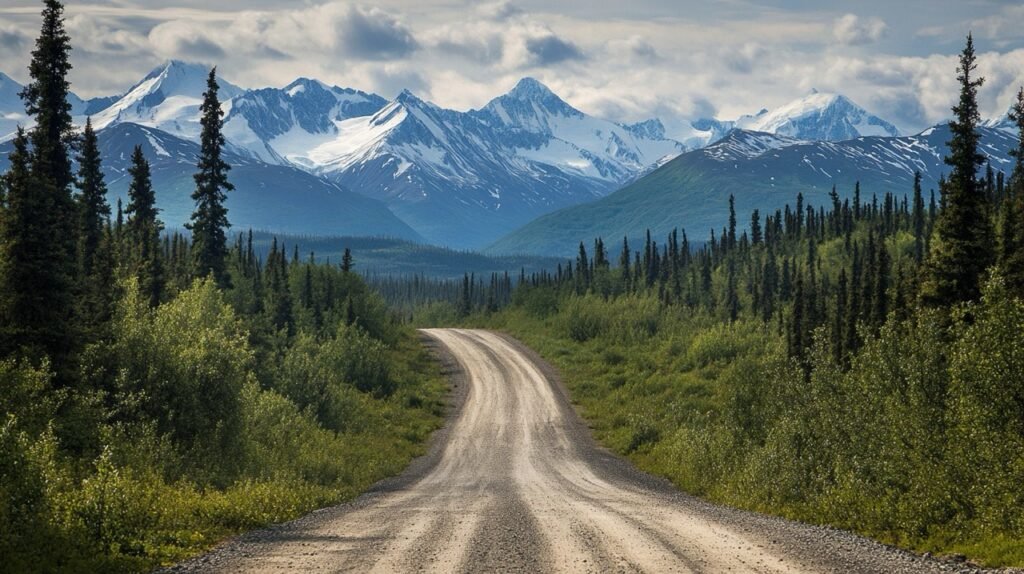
410 100
178 68
530 88
406 97
300 85
819 116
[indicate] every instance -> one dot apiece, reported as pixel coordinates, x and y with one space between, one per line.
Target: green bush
185 363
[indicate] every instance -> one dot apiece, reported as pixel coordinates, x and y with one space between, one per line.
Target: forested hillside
158 393
860 366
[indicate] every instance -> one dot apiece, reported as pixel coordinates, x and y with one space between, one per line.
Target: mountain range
315 158
764 171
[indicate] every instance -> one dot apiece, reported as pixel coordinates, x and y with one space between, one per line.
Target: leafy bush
186 363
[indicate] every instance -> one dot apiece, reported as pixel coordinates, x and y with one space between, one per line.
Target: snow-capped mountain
465 178
1002 123
281 125
815 117
273 198
12 107
460 178
821 117
168 99
542 127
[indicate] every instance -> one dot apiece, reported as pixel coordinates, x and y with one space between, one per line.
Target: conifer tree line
159 391
471 293
62 254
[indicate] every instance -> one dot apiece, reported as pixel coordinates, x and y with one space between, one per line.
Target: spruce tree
731 237
880 297
40 282
145 260
94 277
1012 244
31 320
963 246
624 258
918 219
839 332
732 300
210 219
346 261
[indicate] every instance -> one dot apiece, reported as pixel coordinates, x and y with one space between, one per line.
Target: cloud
12 40
483 44
550 49
745 58
498 11
635 48
375 35
178 39
851 30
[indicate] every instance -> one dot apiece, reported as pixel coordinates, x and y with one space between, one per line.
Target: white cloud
628 63
852 30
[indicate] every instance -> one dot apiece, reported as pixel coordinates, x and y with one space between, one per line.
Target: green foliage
918 442
184 366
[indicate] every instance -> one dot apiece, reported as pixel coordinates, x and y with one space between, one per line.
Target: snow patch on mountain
819 116
168 99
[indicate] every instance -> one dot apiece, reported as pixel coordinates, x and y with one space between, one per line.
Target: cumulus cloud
550 49
852 30
516 43
635 49
625 62
179 39
375 35
498 11
743 59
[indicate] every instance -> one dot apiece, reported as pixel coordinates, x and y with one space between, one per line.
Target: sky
621 60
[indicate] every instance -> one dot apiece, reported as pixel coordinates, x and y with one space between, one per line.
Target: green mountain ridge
761 170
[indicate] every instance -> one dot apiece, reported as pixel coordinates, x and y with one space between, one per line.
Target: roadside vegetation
858 364
160 392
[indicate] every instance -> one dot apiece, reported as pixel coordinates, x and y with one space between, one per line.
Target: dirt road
516 484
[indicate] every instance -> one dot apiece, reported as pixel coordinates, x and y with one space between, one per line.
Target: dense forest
858 363
160 391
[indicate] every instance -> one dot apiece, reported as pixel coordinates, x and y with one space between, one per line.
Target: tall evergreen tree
145 260
963 246
839 332
918 219
210 219
94 271
624 258
1012 244
40 275
756 235
730 239
30 319
880 296
346 261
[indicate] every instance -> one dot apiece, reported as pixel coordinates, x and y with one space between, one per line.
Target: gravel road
515 483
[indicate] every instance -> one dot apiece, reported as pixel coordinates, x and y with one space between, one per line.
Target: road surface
515 483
